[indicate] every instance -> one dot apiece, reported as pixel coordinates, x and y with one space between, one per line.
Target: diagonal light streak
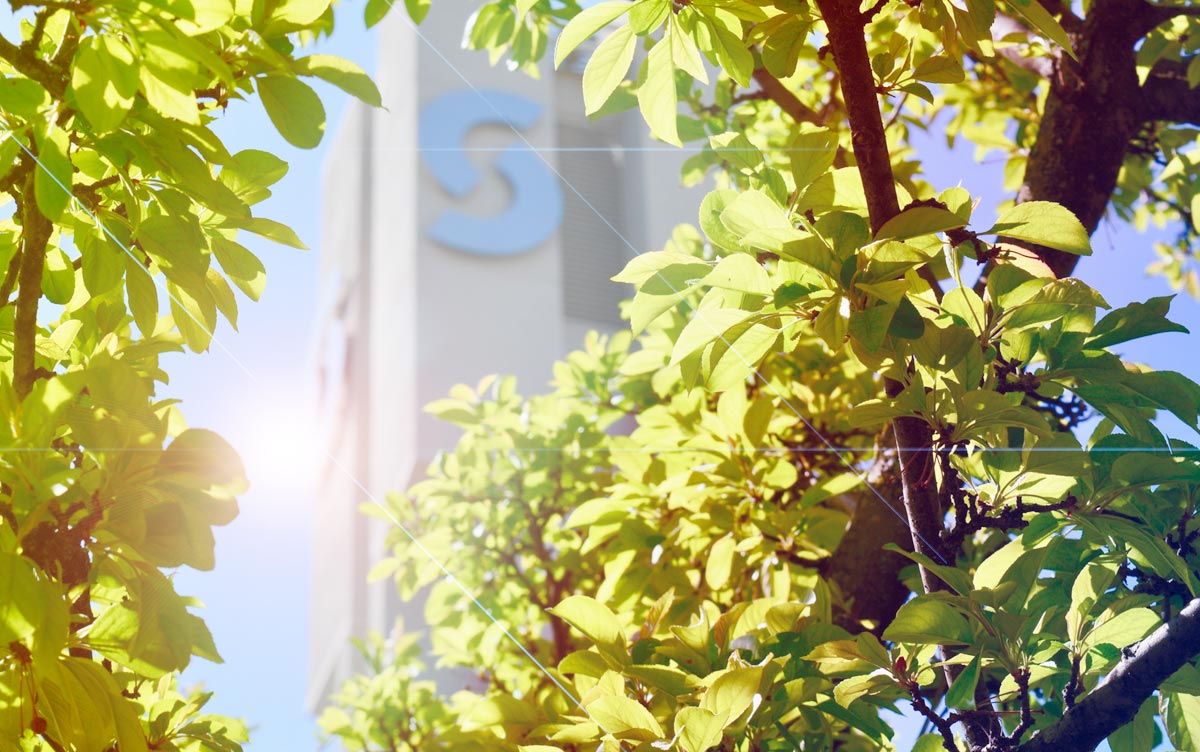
720 335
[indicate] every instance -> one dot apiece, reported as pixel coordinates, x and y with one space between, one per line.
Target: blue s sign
536 209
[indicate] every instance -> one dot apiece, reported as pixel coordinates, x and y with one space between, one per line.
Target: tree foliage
122 245
823 477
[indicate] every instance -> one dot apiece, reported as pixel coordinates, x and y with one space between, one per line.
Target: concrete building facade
469 228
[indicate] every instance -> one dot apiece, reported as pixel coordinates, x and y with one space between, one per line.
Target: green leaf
376 10
149 632
343 74
929 620
592 618
1138 734
177 245
607 67
294 108
645 266
733 692
663 291
919 220
957 579
940 69
242 266
657 97
907 322
1041 20
298 12
854 687
1044 223
624 718
742 273
1124 629
929 743
719 566
698 729
684 52
249 173
585 25
142 296
1089 585
417 9
105 80
204 460
1181 717
271 230
1132 322
961 695
58 277
103 263
53 174
813 151
25 600
737 353
731 53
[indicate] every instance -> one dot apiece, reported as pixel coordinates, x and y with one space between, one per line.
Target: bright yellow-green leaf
607 67
585 25
105 80
1044 223
740 272
929 620
698 729
657 97
917 221
294 108
54 175
733 692
685 54
343 74
299 12
719 566
592 618
1125 628
58 276
624 718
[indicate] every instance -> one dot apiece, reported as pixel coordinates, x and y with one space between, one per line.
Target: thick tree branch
847 40
1168 96
1092 112
1118 698
1155 14
31 66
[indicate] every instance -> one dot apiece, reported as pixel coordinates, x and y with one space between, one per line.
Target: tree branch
31 66
847 40
1092 112
1168 96
787 101
1118 698
35 235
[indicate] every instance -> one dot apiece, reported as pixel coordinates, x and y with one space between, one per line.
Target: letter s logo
537 201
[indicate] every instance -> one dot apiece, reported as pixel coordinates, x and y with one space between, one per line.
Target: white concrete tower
470 228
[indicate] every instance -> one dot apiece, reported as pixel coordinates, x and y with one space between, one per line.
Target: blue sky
257 598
